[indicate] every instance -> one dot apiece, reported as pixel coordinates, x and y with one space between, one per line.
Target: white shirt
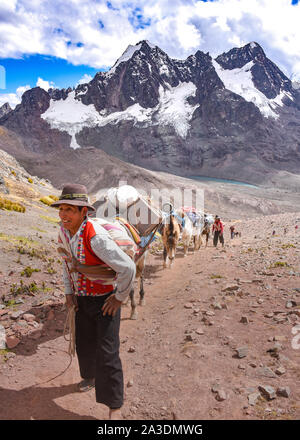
110 253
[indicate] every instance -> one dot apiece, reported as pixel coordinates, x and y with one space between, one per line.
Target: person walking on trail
217 230
97 304
232 231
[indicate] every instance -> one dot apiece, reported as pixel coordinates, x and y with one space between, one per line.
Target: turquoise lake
212 179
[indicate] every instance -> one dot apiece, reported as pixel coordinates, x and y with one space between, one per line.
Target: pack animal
208 221
140 267
190 232
170 235
206 232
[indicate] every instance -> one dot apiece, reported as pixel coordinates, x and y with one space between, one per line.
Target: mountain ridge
235 115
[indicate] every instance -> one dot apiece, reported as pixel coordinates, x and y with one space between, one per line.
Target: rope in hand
69 324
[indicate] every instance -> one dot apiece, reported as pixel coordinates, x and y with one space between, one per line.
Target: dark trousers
97 347
218 236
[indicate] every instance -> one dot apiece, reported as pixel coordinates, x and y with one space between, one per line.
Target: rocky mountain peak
266 76
135 78
147 44
35 100
199 114
143 48
239 56
142 74
4 109
57 94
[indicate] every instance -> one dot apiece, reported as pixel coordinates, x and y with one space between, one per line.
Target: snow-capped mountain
235 116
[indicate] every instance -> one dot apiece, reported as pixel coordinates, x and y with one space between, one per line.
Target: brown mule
206 232
170 236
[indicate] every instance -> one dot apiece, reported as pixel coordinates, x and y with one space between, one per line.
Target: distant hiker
285 231
217 230
296 227
273 233
232 233
97 303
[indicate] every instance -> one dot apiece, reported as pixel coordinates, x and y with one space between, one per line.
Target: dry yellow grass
21 189
11 205
47 200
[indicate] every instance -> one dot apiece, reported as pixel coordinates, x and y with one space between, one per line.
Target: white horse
190 231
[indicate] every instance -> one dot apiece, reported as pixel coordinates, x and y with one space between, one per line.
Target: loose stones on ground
267 391
283 391
220 392
241 352
280 371
265 372
244 320
253 398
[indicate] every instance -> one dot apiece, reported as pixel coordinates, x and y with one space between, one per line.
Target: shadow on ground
37 403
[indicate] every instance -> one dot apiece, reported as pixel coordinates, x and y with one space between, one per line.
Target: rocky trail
218 338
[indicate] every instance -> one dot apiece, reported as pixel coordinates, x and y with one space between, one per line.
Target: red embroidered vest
87 256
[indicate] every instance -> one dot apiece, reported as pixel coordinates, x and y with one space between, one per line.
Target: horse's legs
207 237
185 248
142 292
197 242
165 257
200 241
133 305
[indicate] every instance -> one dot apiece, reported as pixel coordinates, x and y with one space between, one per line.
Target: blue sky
58 43
55 70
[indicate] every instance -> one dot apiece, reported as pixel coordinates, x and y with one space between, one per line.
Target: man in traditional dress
97 303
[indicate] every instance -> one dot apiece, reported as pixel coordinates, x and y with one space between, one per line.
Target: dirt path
180 355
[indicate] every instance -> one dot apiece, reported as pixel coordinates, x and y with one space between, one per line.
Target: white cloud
44 84
13 98
70 31
20 90
85 79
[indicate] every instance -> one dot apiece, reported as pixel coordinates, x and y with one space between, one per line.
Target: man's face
71 217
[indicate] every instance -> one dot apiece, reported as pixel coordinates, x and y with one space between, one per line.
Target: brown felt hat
74 194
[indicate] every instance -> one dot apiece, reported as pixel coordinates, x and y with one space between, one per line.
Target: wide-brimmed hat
74 194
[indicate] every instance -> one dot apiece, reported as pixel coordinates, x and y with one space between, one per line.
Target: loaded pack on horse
192 224
132 221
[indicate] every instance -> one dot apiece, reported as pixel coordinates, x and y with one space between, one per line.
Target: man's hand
71 301
111 305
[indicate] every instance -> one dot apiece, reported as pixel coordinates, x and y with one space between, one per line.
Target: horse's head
170 237
171 246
